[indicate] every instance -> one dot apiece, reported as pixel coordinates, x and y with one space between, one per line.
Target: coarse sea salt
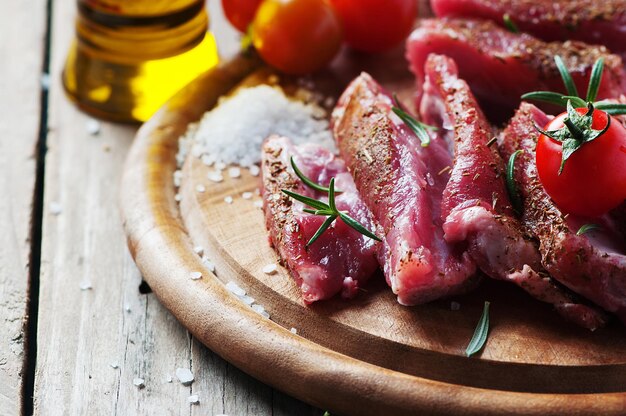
139 382
195 275
233 132
228 199
234 172
270 268
199 250
200 188
193 399
254 170
235 288
185 376
246 195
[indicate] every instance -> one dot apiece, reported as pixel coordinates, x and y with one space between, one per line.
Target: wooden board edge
164 254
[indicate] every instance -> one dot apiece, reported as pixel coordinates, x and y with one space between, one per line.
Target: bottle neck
155 31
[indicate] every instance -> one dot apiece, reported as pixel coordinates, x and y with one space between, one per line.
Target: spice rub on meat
341 259
399 182
592 264
475 208
500 66
592 21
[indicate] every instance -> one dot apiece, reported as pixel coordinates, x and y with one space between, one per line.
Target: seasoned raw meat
500 66
592 21
475 206
398 180
592 264
342 259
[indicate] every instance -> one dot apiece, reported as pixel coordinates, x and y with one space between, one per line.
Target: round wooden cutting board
366 356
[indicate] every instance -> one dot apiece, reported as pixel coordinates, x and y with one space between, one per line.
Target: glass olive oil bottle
130 56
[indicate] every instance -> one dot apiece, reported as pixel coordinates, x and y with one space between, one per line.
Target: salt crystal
258 204
293 330
200 188
270 268
228 199
235 288
455 306
220 166
45 81
231 138
92 126
215 177
178 197
199 250
246 195
139 382
85 285
248 300
208 160
234 172
168 379
209 265
185 376
114 365
193 399
127 308
254 170
195 276
260 310
177 177
55 208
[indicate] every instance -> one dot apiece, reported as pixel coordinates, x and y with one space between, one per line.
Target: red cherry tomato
240 12
376 25
593 180
296 36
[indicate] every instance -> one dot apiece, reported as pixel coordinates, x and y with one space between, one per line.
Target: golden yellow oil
130 56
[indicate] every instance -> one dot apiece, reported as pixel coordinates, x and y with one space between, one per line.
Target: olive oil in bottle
130 56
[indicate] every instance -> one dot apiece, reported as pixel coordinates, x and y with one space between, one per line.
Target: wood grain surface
93 342
370 356
22 55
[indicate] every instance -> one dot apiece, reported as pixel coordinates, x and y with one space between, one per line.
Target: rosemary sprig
511 185
594 81
308 182
572 92
585 228
509 23
570 87
419 128
480 333
329 210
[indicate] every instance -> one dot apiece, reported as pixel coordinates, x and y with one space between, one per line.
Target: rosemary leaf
511 185
586 228
546 97
314 203
351 222
509 24
611 108
480 333
567 78
331 195
577 102
310 211
594 81
322 228
308 182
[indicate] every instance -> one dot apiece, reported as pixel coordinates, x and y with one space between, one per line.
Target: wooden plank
22 30
84 334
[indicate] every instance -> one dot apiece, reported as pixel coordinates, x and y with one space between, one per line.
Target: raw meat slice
500 66
398 181
475 206
341 259
592 264
591 21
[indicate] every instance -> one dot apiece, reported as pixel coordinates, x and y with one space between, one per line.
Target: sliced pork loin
398 180
341 259
500 66
475 206
592 264
591 21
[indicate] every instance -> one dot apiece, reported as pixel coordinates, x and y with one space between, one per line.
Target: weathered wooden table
76 329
